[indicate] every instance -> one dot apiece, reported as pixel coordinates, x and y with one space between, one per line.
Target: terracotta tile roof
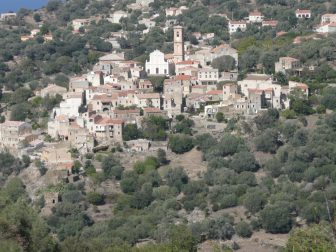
151 110
215 92
104 97
222 46
187 62
270 22
255 13
199 86
291 59
186 68
13 123
62 118
109 121
328 15
260 77
54 86
126 111
148 96
298 11
182 77
237 22
126 92
74 125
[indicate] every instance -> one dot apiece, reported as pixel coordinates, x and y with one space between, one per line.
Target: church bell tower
178 44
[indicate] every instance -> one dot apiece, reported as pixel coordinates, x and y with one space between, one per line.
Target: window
178 34
157 70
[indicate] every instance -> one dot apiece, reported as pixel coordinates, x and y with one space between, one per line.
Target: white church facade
158 65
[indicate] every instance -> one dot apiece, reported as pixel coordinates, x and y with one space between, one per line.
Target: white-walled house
157 64
95 78
208 75
147 22
255 17
326 28
328 18
7 16
303 14
235 26
79 23
70 106
116 16
297 85
255 81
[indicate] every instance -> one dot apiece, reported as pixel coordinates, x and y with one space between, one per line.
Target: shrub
149 164
220 117
95 198
244 161
244 230
267 141
180 143
276 218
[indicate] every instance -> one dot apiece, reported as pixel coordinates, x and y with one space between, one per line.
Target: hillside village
116 92
155 125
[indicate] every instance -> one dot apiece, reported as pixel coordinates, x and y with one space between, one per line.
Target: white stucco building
303 14
116 16
208 75
235 26
255 17
157 64
70 106
326 28
328 18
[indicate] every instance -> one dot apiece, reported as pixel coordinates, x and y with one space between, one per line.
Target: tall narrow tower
178 44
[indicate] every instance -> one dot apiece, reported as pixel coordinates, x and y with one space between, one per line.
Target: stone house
106 129
59 127
172 97
138 145
145 85
80 138
129 116
103 102
287 64
126 98
79 23
52 90
14 135
112 59
55 154
148 100
154 112
188 70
